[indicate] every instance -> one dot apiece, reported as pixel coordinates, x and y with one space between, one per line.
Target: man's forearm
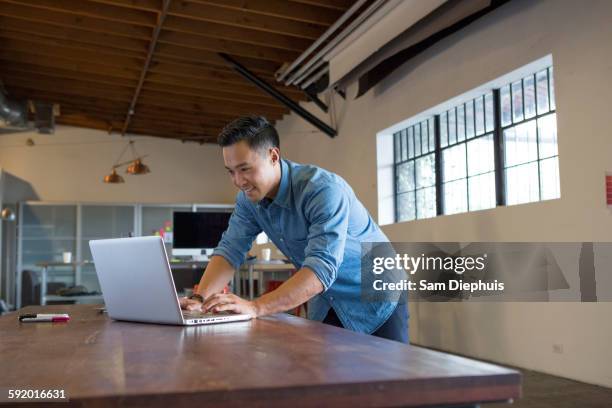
295 291
217 274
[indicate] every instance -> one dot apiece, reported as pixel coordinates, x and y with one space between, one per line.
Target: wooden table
281 360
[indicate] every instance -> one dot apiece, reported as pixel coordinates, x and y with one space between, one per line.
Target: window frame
430 125
499 169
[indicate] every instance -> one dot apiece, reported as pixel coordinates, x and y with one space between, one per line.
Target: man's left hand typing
228 302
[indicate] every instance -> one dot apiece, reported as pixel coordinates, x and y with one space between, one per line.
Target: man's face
254 172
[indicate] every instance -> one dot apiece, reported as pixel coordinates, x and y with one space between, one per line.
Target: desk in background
194 270
185 274
46 267
261 268
275 361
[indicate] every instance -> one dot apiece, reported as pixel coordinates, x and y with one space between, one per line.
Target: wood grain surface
272 361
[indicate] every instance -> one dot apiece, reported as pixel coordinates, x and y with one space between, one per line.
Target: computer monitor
199 230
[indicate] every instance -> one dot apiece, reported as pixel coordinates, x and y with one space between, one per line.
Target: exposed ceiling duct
44 117
13 113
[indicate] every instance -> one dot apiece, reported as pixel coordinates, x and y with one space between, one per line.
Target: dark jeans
395 328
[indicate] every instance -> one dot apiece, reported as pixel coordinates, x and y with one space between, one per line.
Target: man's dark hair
255 130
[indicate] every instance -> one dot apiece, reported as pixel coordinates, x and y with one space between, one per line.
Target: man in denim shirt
315 219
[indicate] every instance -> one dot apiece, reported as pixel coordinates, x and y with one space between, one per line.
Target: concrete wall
70 166
577 34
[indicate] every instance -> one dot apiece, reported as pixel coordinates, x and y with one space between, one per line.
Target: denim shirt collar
283 195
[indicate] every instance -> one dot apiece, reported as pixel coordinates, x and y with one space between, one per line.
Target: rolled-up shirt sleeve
238 238
327 211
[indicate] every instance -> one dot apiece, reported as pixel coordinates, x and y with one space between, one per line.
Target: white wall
577 34
70 166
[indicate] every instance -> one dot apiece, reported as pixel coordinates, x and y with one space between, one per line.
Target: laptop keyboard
194 314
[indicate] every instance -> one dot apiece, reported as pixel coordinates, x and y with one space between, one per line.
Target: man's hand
190 304
229 302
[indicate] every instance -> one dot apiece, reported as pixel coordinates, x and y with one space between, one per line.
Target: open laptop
137 285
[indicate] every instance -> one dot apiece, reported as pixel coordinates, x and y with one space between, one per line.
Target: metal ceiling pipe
279 96
13 112
315 77
321 39
301 74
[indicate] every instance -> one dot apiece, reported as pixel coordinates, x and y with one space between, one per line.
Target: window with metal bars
415 171
499 148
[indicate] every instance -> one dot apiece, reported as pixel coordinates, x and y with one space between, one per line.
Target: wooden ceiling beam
106 126
342 5
171 127
91 123
145 69
110 123
215 95
16 70
25 41
82 67
237 90
110 126
169 120
68 112
22 70
155 113
218 96
183 138
192 106
146 5
207 105
140 118
26 92
91 104
112 120
197 73
74 54
95 10
25 12
124 67
242 35
173 135
36 64
84 54
231 47
300 12
190 56
70 35
70 87
179 85
215 14
61 84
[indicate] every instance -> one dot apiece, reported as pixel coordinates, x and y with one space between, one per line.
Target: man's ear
274 154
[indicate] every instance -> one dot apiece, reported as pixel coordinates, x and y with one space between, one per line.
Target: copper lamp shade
113 178
137 167
7 214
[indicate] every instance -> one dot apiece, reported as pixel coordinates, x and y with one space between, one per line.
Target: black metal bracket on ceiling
270 90
315 99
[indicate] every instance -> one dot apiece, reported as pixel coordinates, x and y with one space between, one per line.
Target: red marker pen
53 317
